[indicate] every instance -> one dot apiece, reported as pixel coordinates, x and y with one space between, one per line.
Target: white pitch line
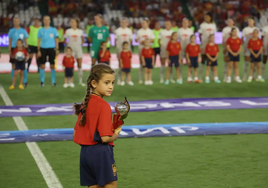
46 170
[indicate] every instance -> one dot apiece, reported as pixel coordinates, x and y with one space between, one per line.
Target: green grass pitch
227 161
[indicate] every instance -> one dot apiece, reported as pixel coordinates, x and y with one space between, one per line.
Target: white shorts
246 52
77 52
163 52
203 48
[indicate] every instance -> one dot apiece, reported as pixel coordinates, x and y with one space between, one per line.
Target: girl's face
234 33
256 34
125 47
251 23
105 86
69 52
147 43
104 46
212 38
73 23
19 44
193 39
174 37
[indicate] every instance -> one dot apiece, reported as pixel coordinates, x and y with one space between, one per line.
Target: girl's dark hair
193 35
102 43
255 30
211 35
69 48
96 73
77 22
20 40
172 35
124 43
233 29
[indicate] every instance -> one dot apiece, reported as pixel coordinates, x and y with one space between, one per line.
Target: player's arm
38 47
83 39
90 35
180 54
210 58
143 60
108 139
216 56
26 42
260 51
9 45
230 50
187 57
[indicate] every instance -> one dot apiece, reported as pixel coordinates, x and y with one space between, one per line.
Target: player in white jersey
247 33
226 33
75 41
265 49
143 33
122 34
206 29
184 34
164 38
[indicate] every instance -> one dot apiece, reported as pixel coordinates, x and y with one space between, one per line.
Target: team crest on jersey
178 46
258 43
215 48
114 169
21 36
51 35
196 48
237 41
103 31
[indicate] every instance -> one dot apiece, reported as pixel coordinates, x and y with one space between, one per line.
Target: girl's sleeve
105 125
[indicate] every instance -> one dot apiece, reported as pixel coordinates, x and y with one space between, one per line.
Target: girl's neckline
95 94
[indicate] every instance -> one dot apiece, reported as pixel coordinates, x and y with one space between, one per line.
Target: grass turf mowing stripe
41 161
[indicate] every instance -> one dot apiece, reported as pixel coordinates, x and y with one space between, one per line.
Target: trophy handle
127 103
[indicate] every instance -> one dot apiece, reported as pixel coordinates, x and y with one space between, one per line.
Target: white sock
229 77
140 72
237 77
162 70
259 77
216 78
250 77
263 66
246 64
80 75
225 68
189 79
195 78
207 78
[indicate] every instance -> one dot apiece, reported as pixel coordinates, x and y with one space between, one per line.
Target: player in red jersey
148 61
212 52
104 54
68 62
94 130
19 54
174 57
255 45
234 47
193 54
125 63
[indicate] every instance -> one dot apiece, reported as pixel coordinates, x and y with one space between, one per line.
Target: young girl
125 63
20 56
94 130
147 57
255 45
212 51
174 56
193 54
234 47
104 54
68 63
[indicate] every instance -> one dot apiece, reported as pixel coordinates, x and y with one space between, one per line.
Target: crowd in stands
113 11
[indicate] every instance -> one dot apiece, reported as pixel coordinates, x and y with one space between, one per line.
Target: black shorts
32 49
107 62
212 64
126 70
174 60
19 65
148 63
12 60
97 165
255 59
69 72
48 52
233 58
156 51
193 62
